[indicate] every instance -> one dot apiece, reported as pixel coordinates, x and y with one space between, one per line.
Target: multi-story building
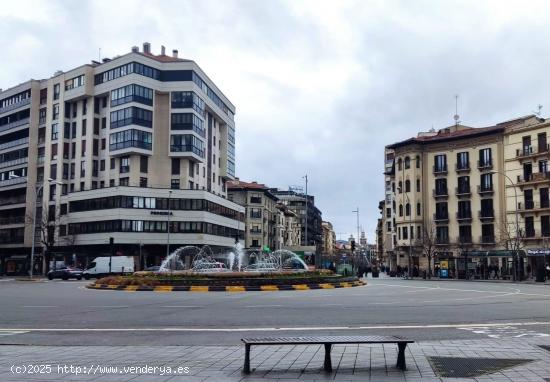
329 238
445 189
288 228
379 233
297 202
389 234
118 149
261 212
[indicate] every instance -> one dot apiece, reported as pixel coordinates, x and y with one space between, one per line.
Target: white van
100 266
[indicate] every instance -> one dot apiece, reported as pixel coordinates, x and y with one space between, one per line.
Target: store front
537 260
497 264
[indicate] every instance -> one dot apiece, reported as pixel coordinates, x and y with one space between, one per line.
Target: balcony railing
485 189
465 239
440 193
17 142
441 240
441 217
12 181
463 216
17 200
486 214
462 167
484 165
14 162
14 124
534 177
532 150
487 239
440 169
12 220
462 191
14 106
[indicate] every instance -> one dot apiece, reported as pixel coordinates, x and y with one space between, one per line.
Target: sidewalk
530 281
269 363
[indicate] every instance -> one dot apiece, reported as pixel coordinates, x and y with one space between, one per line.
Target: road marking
182 306
302 328
263 306
108 306
505 332
39 306
4 333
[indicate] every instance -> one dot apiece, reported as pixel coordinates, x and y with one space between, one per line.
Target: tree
427 241
464 245
44 236
512 237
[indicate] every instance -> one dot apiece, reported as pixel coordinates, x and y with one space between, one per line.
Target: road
66 313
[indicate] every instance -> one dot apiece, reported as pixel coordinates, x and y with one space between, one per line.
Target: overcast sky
320 86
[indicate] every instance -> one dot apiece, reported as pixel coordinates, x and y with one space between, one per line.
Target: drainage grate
453 367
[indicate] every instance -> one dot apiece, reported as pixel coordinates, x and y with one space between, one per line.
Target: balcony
12 220
534 178
529 152
12 201
191 152
485 190
130 147
13 125
440 170
531 206
14 162
441 218
465 239
442 241
486 215
13 181
14 106
17 142
462 167
487 239
485 165
12 240
463 217
440 194
463 192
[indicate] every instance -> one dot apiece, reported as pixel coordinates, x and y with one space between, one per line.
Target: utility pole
357 212
168 230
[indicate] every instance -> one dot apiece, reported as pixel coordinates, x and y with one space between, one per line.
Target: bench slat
325 339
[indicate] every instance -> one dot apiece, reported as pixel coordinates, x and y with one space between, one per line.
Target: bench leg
328 362
246 368
401 364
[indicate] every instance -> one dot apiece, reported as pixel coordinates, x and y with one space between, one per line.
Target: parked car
65 273
100 266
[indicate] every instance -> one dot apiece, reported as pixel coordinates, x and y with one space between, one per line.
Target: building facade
117 149
261 212
288 229
329 238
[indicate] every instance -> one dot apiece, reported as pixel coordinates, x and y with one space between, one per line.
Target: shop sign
538 252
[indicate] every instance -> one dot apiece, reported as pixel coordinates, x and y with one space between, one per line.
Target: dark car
65 273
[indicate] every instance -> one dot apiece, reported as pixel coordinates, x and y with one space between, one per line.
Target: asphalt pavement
66 313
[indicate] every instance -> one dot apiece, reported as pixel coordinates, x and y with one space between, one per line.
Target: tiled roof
240 185
163 58
442 136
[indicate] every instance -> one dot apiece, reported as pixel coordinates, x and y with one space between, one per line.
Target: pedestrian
529 270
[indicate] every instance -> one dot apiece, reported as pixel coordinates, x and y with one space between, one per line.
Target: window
463 185
175 184
131 116
485 158
55 112
529 226
131 93
104 122
441 212
84 127
545 225
56 89
42 116
400 210
74 82
543 166
132 67
407 209
187 121
399 164
407 186
103 143
542 143
95 168
95 147
487 233
440 163
487 208
442 234
53 171
143 182
191 169
143 163
400 187
83 148
486 182
441 187
418 185
175 166
187 100
130 138
111 182
418 209
82 170
124 181
102 165
113 165
124 165
464 209
55 131
84 106
463 161
417 160
465 234
407 163
405 233
544 200
187 143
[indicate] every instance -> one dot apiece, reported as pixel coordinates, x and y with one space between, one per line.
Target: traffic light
353 245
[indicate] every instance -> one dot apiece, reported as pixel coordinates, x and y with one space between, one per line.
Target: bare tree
464 246
45 227
427 241
512 237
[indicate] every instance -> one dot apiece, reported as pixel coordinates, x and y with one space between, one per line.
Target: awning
494 253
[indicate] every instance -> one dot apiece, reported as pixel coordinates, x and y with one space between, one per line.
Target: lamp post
38 189
357 212
305 233
516 250
168 228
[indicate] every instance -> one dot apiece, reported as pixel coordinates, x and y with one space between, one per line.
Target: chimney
135 49
162 50
146 47
175 53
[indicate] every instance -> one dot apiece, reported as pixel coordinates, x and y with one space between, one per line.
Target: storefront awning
494 253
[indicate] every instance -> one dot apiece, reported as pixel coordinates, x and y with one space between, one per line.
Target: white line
39 306
182 306
279 329
108 306
263 306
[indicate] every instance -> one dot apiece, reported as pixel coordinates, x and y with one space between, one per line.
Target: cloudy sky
320 86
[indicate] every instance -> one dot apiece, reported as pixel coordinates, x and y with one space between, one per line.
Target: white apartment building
116 149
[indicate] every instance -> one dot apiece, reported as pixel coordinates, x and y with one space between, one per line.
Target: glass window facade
187 143
187 121
130 138
131 116
132 93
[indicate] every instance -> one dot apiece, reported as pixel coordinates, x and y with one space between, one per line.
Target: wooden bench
328 341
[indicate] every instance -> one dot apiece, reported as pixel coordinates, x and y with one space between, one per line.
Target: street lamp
168 230
516 254
357 212
38 189
305 233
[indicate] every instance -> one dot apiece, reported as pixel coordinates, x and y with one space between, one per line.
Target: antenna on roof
539 112
456 116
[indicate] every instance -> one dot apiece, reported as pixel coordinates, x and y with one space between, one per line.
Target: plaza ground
54 320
